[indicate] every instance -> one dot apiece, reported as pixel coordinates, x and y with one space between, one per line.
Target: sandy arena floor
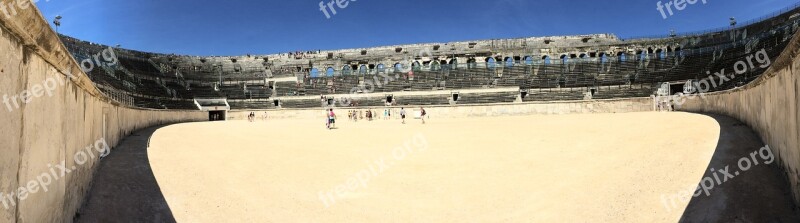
568 168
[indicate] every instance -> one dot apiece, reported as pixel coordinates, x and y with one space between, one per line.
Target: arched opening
528 60
435 66
491 63
546 60
564 59
509 62
416 66
472 63
381 68
363 69
330 72
398 67
622 57
314 72
444 65
346 70
603 58
640 55
660 54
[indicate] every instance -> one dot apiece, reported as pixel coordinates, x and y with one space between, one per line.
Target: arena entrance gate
217 108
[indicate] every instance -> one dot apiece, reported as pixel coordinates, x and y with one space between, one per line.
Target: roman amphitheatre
581 128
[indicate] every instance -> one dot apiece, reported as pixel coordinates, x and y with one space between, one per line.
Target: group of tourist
300 54
252 116
370 115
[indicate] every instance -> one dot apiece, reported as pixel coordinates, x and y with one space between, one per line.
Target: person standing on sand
422 114
403 115
331 119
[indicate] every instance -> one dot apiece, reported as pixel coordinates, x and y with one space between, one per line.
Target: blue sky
238 27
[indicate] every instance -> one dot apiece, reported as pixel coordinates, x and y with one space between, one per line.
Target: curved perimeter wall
769 105
62 117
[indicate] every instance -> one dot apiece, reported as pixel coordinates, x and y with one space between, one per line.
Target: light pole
733 28
57 22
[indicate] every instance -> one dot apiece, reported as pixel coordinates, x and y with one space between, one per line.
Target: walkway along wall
61 118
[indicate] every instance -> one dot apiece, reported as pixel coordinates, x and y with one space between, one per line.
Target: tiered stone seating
612 77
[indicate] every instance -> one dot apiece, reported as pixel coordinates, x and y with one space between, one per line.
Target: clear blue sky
238 27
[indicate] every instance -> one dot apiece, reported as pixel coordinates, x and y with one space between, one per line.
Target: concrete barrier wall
462 111
769 105
61 118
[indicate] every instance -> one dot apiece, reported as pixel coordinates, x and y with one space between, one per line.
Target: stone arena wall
50 120
769 105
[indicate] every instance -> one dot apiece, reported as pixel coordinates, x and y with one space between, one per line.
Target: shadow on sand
124 188
758 194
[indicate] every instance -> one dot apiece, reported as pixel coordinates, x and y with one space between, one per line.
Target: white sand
569 168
